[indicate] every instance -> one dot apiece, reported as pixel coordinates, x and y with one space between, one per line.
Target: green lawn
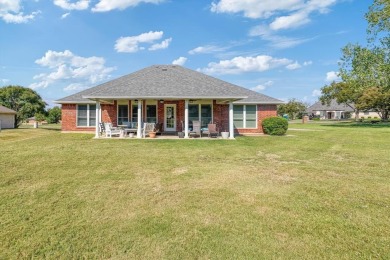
323 191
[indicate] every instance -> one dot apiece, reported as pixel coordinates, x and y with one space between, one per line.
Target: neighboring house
336 111
168 94
7 118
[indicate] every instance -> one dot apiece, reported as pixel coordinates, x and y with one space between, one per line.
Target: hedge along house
168 94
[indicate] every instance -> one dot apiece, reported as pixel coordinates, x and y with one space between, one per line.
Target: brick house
169 94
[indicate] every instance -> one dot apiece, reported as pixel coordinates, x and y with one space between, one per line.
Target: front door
170 117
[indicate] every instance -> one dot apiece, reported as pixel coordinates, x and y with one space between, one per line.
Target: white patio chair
148 127
110 130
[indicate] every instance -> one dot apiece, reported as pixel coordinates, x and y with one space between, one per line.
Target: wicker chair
212 130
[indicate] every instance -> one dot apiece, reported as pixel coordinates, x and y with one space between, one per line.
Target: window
193 113
200 112
238 116
151 113
134 114
86 115
123 114
245 116
206 115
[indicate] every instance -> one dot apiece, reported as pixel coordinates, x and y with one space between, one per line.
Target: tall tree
378 18
25 101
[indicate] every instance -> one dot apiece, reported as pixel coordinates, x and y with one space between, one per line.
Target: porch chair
158 128
212 130
195 129
102 129
148 127
110 130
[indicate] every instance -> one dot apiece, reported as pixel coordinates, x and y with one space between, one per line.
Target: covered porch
175 115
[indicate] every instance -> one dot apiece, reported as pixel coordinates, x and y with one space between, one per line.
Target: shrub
275 126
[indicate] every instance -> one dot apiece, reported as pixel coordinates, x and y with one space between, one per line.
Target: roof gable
318 106
6 110
168 82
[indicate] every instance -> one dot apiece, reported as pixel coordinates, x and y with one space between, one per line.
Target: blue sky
285 49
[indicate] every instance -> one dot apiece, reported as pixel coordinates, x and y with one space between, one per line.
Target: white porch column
231 126
139 134
97 119
186 118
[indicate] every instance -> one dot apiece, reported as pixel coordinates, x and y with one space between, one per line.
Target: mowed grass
321 192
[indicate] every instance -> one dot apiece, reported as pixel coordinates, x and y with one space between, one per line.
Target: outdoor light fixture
161 101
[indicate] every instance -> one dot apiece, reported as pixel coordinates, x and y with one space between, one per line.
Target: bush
275 126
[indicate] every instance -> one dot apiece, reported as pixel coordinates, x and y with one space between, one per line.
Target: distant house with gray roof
168 94
336 111
7 118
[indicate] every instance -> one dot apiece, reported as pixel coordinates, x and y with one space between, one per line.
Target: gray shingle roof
6 110
169 82
333 106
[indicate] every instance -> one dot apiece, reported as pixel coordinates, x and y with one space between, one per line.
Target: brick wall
220 116
69 119
109 113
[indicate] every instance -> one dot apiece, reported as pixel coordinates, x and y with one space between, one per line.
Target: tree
378 18
293 108
25 101
54 115
361 69
376 98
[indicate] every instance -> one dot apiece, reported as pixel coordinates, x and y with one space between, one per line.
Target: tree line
28 103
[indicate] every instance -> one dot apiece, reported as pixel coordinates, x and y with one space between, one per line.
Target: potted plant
152 134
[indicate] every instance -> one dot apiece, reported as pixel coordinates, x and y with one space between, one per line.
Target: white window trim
244 116
88 118
199 103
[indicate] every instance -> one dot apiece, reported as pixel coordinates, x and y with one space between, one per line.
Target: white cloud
290 21
307 63
180 61
287 14
245 64
316 93
68 5
332 76
132 43
294 66
255 8
10 12
65 67
108 5
159 46
262 87
276 41
207 49
65 15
